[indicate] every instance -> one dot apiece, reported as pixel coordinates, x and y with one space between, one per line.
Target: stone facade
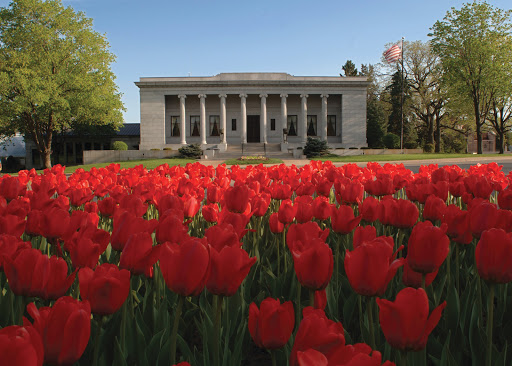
235 108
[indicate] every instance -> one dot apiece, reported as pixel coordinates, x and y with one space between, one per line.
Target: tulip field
311 266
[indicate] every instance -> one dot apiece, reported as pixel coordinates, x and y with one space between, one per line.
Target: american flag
393 54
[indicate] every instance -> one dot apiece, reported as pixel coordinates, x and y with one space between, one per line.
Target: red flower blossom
406 323
272 324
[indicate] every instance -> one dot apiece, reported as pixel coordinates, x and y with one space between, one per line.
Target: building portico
241 108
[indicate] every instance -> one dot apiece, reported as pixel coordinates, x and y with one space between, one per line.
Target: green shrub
191 151
167 148
410 145
119 145
353 148
315 147
391 141
155 149
428 148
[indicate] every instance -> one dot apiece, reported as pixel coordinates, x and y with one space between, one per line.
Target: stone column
284 115
202 109
323 125
243 112
263 124
304 117
223 116
182 119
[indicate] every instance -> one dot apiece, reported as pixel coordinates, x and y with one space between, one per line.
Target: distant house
488 143
12 153
68 147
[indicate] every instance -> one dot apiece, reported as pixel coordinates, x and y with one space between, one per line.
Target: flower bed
318 265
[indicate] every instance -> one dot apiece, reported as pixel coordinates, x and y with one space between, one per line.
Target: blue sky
204 38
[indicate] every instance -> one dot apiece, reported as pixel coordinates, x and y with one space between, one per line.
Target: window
233 124
214 126
311 126
292 125
331 125
272 124
97 146
175 126
195 126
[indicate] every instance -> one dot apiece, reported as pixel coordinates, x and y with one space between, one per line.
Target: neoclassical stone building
236 108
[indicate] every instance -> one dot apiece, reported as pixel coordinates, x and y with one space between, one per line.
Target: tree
54 73
423 72
375 112
500 119
349 69
474 47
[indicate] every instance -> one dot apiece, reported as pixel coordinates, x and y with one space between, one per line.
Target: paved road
414 165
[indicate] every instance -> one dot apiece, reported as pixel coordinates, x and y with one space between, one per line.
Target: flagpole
402 103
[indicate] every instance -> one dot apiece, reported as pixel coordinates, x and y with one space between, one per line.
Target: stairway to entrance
253 149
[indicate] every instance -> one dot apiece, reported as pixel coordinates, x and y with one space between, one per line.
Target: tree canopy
475 46
54 73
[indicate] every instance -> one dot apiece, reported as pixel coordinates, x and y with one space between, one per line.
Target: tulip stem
174 334
423 280
97 341
490 323
218 315
457 265
298 314
360 314
312 298
21 309
273 354
369 310
403 358
123 324
279 256
448 274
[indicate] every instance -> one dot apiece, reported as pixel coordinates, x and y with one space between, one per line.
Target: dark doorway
253 128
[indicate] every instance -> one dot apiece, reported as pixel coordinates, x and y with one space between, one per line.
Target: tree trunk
47 158
500 139
438 135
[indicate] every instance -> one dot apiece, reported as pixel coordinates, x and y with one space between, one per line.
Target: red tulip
382 186
10 247
260 204
125 224
228 268
12 225
171 229
190 205
313 264
139 255
320 299
434 208
275 225
304 207
185 267
65 329
406 323
318 332
106 288
362 234
134 204
493 256
210 212
398 213
286 212
482 216
305 233
370 209
370 267
107 207
11 188
343 220
350 192
272 324
458 224
323 187
21 346
505 199
55 223
236 198
414 279
322 208
428 247
32 273
213 193
222 235
311 357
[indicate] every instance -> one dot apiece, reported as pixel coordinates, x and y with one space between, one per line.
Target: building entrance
253 128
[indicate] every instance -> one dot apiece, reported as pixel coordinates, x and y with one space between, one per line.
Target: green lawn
148 164
252 161
398 157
